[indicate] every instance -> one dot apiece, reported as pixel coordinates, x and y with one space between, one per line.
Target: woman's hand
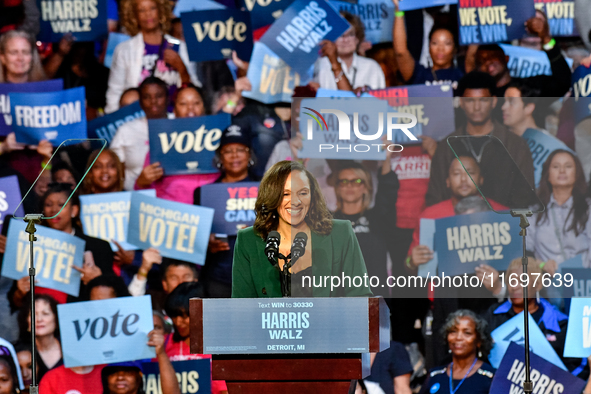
429 145
241 64
329 49
172 58
65 45
550 267
586 61
150 174
156 340
420 255
89 270
23 286
122 256
242 84
45 149
489 277
150 257
10 144
216 245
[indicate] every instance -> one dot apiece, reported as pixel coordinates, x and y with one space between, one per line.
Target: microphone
272 247
298 248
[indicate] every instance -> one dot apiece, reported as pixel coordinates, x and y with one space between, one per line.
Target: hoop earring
218 165
251 163
479 353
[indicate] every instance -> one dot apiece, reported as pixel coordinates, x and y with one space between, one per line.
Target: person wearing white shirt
340 68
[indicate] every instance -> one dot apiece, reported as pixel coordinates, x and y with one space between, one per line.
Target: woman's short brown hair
355 21
270 197
129 18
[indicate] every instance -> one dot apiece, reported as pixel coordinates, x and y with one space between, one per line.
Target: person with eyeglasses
341 68
235 159
374 227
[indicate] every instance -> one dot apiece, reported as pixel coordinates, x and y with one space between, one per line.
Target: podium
289 345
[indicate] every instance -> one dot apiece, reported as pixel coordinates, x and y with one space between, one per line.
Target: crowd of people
440 343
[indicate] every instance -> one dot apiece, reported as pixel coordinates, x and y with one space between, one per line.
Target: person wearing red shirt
77 380
461 186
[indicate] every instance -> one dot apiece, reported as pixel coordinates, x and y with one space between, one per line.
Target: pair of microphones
298 247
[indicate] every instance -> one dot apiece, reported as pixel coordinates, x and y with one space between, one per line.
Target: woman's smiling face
296 199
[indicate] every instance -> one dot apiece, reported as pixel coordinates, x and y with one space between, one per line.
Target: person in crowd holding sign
442 50
98 254
290 202
47 332
478 102
372 226
549 319
234 159
150 52
130 143
469 341
563 230
340 67
126 377
492 60
177 344
105 287
189 103
8 373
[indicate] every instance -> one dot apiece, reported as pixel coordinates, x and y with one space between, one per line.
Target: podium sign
285 325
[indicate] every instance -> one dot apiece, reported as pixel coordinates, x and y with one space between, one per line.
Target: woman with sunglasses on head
374 226
340 67
235 160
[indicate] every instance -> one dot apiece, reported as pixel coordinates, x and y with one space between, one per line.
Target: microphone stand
523 214
286 275
31 220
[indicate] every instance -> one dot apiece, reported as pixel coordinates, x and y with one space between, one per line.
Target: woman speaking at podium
290 202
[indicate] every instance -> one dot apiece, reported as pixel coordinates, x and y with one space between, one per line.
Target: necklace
451 374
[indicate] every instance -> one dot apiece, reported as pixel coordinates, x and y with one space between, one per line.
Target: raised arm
406 63
168 380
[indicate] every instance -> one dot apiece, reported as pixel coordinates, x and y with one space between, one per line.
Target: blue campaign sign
186 145
114 40
295 36
578 333
53 116
191 5
179 231
106 126
272 80
55 252
321 92
214 34
109 331
52 85
463 242
526 62
432 105
490 21
10 198
407 5
512 331
86 21
377 17
322 133
233 204
546 377
541 145
106 216
561 16
264 12
581 80
581 282
194 376
427 233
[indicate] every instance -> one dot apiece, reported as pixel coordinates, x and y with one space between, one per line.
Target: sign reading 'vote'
186 145
213 34
106 331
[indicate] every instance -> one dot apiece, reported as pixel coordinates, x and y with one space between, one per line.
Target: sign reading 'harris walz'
86 20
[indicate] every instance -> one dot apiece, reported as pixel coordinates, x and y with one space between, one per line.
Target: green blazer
332 255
